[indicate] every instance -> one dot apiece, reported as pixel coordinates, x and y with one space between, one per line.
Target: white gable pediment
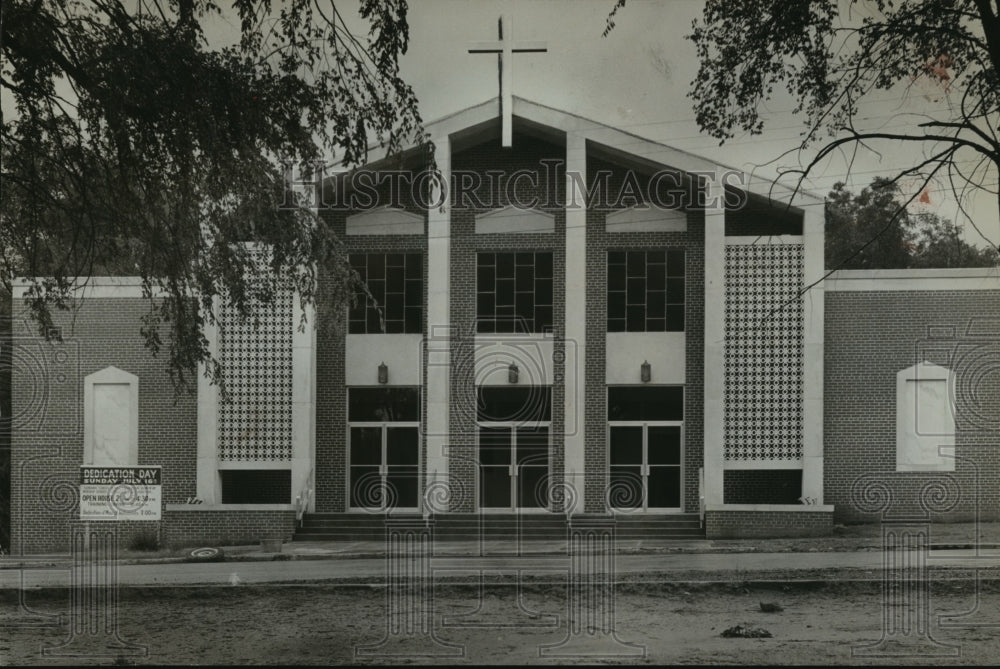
646 219
385 221
512 219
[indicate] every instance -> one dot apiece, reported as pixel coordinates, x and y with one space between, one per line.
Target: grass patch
144 541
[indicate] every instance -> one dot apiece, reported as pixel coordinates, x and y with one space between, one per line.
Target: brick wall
331 394
598 243
751 524
47 433
526 154
204 527
180 528
870 336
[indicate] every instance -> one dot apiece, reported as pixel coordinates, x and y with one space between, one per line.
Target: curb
260 556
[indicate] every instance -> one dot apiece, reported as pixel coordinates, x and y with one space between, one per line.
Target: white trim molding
957 278
813 342
207 481
715 340
437 386
764 240
94 287
575 336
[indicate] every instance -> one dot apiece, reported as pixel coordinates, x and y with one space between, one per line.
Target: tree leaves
138 148
874 230
834 57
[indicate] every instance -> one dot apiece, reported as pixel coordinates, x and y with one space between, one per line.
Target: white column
576 322
207 488
438 323
812 380
303 401
715 300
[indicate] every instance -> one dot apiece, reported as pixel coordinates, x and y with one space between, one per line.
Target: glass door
496 473
663 467
644 463
513 467
532 468
383 448
384 467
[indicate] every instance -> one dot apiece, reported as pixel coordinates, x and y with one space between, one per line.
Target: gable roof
467 126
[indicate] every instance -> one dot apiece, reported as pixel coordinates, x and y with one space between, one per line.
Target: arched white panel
925 422
111 418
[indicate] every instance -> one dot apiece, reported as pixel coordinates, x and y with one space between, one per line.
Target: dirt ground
658 624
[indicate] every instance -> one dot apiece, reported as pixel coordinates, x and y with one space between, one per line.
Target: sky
637 79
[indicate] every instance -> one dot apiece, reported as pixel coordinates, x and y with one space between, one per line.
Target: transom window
514 292
396 284
646 291
514 404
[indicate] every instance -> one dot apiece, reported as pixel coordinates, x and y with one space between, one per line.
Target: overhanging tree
138 147
834 57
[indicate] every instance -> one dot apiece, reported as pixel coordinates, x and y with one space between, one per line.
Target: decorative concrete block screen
763 353
256 424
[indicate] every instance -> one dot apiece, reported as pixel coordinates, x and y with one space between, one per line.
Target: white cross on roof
505 48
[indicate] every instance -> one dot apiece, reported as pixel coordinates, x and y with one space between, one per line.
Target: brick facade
527 154
331 393
225 527
598 243
47 398
738 524
872 335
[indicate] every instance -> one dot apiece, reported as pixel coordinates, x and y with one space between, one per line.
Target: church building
562 320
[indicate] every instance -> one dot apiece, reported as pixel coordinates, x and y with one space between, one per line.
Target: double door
513 467
384 466
645 461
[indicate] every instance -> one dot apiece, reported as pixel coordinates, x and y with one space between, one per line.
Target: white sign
120 493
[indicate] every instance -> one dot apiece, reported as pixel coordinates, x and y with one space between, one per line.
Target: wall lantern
383 373
512 373
645 371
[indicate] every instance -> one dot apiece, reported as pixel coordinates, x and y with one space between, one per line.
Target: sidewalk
364 563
